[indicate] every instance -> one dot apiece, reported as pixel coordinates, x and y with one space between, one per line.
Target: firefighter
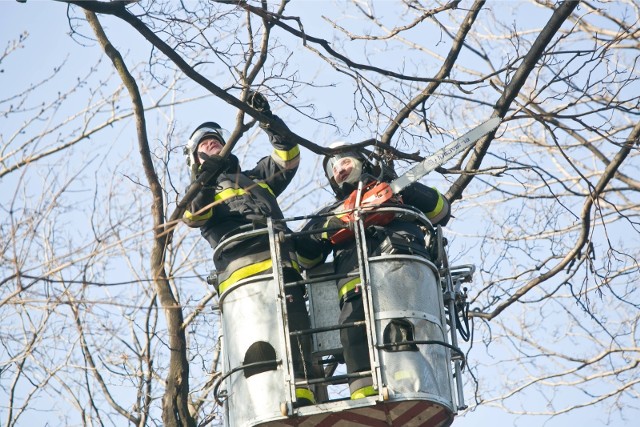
234 201
344 171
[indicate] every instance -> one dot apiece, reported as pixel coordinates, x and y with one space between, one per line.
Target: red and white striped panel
414 413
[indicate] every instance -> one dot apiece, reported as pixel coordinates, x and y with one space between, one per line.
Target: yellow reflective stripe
192 217
233 192
438 207
349 286
308 263
303 393
248 271
363 392
229 193
287 155
243 273
326 224
266 187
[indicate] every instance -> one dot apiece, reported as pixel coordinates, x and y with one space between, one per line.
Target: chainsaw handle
373 195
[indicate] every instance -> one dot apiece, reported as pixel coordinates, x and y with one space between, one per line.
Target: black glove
258 102
213 166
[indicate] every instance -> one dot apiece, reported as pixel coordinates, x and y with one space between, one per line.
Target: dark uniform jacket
242 201
398 236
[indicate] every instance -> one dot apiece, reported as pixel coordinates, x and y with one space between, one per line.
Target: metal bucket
410 350
252 319
408 308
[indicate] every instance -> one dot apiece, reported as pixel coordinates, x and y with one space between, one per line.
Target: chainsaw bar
443 155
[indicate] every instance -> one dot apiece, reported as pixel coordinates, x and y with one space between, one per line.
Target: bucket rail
450 321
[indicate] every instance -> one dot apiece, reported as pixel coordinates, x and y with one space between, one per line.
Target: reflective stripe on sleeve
435 212
266 187
327 223
288 159
193 218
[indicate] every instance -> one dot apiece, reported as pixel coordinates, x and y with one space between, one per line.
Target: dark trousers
354 340
298 319
397 238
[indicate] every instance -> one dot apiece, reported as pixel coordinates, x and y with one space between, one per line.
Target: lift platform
418 379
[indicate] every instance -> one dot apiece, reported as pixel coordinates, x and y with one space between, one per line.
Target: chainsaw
376 193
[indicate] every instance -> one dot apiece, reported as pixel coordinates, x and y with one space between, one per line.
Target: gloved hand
213 166
333 222
258 102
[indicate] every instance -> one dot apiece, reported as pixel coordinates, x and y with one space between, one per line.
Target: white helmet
362 165
205 129
330 161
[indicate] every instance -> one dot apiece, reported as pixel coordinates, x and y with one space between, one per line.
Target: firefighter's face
210 146
342 168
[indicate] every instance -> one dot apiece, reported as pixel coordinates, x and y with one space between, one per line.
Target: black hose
240 368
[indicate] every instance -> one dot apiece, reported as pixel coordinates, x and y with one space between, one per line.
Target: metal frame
450 287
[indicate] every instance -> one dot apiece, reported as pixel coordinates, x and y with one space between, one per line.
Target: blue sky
47 47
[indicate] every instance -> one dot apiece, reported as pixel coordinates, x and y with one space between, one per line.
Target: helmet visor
198 135
344 167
